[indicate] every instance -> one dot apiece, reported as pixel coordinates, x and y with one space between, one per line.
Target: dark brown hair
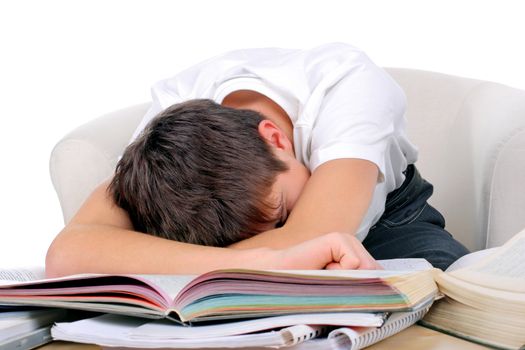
199 173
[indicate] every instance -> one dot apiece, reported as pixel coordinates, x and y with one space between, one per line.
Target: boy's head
199 173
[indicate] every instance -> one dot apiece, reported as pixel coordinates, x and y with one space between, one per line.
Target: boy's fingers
350 254
349 261
332 251
334 266
367 262
369 265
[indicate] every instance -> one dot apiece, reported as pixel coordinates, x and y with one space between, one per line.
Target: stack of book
483 301
234 308
484 297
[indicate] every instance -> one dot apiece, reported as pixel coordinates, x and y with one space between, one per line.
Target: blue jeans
411 228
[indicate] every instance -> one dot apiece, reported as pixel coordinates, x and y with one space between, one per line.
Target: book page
132 294
329 274
405 264
236 293
168 285
21 275
471 259
504 269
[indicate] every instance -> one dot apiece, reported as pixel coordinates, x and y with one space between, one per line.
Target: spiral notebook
128 332
358 338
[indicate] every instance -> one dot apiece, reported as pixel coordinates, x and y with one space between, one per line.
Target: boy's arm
335 199
100 238
361 110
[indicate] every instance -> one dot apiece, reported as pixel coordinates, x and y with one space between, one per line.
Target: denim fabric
411 228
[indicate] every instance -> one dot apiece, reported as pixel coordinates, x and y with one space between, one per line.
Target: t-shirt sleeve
163 95
357 117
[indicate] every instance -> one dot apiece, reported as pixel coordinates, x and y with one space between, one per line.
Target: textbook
27 329
485 297
126 332
229 294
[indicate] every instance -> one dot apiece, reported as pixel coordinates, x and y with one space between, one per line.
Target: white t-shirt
341 105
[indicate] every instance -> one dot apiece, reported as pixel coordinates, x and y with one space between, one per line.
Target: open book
229 294
485 296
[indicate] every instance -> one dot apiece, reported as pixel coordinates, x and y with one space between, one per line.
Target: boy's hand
330 251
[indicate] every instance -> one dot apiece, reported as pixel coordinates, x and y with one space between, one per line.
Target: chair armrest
471 137
87 155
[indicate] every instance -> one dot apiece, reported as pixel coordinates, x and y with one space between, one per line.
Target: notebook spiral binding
301 333
353 340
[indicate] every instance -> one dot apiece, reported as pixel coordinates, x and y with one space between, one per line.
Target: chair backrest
471 136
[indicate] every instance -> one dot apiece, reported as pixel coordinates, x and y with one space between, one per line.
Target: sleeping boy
263 158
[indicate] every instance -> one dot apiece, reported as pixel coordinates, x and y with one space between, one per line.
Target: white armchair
471 136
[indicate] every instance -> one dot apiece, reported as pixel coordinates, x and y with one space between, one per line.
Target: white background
63 63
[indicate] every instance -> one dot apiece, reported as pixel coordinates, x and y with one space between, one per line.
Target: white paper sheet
164 329
113 330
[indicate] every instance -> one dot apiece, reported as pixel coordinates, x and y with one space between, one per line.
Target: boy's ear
274 136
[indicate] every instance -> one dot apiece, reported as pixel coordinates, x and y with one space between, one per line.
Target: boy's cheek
298 179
